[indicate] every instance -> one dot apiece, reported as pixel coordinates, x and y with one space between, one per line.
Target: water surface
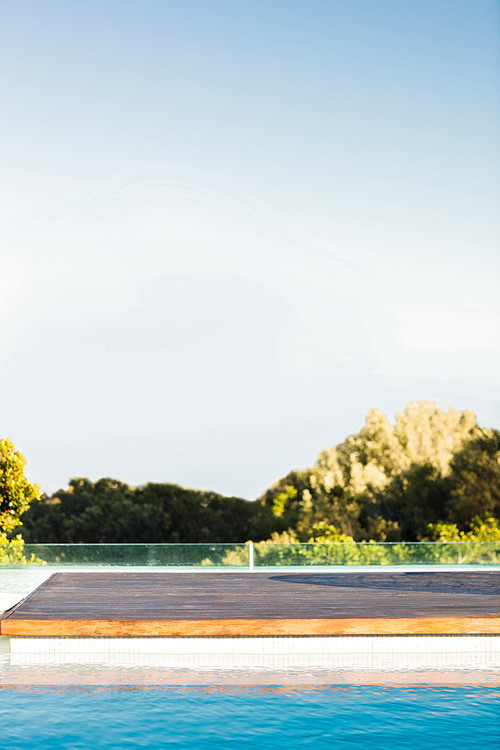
265 717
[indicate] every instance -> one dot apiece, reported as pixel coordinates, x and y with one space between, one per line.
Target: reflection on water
271 715
43 675
78 706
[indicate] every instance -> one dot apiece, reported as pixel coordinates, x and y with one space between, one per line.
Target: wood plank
247 627
11 610
260 603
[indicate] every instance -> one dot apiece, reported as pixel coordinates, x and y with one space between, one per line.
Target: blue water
343 716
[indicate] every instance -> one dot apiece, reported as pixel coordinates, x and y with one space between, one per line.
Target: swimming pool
50 703
336 715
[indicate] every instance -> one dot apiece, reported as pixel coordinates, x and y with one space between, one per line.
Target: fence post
250 556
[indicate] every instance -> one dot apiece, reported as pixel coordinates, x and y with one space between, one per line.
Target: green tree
482 529
16 495
111 511
406 505
474 481
479 544
16 492
389 481
288 500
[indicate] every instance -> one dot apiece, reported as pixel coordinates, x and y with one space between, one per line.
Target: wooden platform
258 603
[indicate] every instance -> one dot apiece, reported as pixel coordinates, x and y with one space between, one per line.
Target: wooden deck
243 603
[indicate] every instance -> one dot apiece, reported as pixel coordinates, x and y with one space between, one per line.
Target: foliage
474 479
236 557
111 511
12 552
325 532
375 553
389 481
328 546
16 492
482 529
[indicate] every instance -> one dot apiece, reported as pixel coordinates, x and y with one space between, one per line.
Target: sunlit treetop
16 492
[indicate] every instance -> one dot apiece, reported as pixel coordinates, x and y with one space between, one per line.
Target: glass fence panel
134 554
257 555
370 553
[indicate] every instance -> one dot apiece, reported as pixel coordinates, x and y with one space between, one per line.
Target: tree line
432 474
111 511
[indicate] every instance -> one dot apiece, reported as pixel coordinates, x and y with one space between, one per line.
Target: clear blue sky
227 229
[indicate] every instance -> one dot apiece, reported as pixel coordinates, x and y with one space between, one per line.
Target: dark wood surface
243 603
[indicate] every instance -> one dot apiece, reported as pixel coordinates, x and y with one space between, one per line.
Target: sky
228 229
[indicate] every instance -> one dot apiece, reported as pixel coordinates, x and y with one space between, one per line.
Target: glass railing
371 553
179 555
256 555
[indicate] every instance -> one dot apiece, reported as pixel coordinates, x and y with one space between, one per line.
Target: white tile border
332 652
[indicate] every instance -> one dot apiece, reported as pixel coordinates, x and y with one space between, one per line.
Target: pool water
266 717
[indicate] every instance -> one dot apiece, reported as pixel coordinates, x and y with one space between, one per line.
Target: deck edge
8 612
253 627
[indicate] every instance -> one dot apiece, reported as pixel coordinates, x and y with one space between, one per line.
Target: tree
110 511
389 481
474 480
411 501
482 529
16 492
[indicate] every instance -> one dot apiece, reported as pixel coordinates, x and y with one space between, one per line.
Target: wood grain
338 626
106 603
